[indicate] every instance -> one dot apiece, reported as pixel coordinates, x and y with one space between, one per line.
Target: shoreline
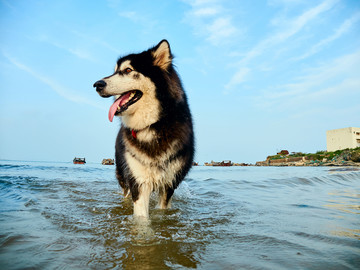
307 164
345 157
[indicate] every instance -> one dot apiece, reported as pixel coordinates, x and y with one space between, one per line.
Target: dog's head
138 83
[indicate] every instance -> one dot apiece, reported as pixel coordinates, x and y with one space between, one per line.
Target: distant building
342 138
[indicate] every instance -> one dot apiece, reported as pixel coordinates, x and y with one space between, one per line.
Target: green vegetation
346 154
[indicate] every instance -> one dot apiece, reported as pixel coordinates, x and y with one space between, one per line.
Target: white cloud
345 27
59 89
206 11
129 15
293 27
210 19
290 27
287 2
331 80
78 52
299 22
147 21
93 39
239 77
201 2
220 30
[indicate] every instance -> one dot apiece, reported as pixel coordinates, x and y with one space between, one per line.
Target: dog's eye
127 70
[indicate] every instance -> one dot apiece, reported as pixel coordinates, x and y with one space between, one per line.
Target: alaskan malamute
154 149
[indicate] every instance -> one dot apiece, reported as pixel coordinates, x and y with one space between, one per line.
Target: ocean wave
272 217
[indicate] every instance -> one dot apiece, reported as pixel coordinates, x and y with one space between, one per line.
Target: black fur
175 123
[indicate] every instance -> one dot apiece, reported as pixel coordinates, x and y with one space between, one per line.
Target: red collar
133 133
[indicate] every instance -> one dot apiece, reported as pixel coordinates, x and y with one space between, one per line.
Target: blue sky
261 76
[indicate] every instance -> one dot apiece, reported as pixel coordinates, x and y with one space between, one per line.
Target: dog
154 148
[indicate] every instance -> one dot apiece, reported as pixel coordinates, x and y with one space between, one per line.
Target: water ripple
58 215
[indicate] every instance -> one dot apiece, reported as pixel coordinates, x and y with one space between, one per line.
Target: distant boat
79 160
107 161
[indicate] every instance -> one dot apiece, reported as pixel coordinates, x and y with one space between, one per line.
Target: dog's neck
144 135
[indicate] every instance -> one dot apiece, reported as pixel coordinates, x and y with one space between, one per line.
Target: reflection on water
158 244
59 215
347 201
353 233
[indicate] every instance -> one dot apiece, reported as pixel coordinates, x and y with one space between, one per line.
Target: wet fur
162 153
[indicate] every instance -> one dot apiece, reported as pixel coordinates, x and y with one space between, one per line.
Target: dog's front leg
141 205
165 196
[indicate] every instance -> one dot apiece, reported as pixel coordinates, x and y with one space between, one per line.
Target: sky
260 76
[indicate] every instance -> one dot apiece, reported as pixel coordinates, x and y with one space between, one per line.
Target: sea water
66 216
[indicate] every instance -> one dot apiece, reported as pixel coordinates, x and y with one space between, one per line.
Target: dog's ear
162 55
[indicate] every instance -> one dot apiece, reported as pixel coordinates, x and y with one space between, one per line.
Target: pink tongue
118 103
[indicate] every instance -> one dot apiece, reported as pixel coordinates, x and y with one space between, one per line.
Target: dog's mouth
122 103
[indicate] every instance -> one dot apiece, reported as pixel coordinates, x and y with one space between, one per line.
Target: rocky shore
347 157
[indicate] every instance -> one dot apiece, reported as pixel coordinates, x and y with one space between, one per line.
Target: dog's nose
100 85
